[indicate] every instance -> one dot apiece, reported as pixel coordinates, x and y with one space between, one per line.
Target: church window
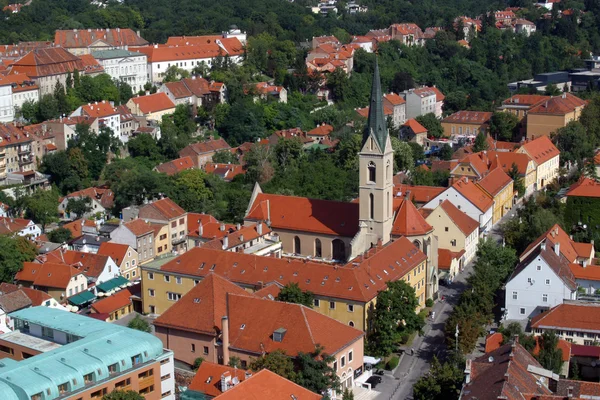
388 171
318 252
371 206
372 172
297 248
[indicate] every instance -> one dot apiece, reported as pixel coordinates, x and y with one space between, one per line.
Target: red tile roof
90 264
559 105
493 342
201 309
576 316
175 166
208 378
418 194
99 110
238 237
590 272
439 96
46 62
585 351
540 149
211 227
90 64
192 40
393 99
164 208
505 160
585 187
478 161
138 227
104 196
529 100
409 222
12 225
178 89
229 46
415 126
468 117
113 303
446 256
225 171
268 385
474 194
558 264
495 181
117 37
462 221
270 292
153 103
76 228
562 344
53 275
304 214
116 251
567 246
208 146
321 130
577 390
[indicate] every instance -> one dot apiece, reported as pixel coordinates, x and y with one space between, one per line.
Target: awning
81 298
112 284
371 360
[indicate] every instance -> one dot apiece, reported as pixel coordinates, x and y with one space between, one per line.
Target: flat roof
32 342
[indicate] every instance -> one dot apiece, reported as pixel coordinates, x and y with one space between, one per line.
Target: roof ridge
312 339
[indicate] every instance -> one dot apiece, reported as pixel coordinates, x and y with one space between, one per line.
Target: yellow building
124 256
467 123
166 212
553 114
152 106
473 166
546 157
346 293
524 163
162 245
500 187
519 105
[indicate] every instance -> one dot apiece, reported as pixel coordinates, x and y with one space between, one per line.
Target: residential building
253 239
57 279
91 66
19 226
83 358
206 39
151 106
96 267
86 41
87 243
102 200
394 109
195 91
125 66
162 242
574 252
520 104
23 89
573 321
540 281
14 298
546 118
129 123
420 101
450 263
455 230
207 380
202 152
64 129
418 195
322 131
166 212
139 235
204 227
16 151
106 114
546 157
472 166
160 58
164 284
525 166
174 167
467 123
124 257
469 198
413 131
7 108
47 66
80 227
499 186
524 26
407 34
114 307
582 201
225 171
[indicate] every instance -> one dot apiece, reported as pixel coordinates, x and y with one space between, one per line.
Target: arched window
417 244
388 171
351 324
371 206
297 248
372 172
318 252
339 249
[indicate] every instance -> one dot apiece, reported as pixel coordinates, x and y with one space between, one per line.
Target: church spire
376 124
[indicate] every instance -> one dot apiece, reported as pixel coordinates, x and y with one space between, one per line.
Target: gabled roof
268 385
585 187
568 248
46 62
201 309
138 227
175 166
12 225
238 237
559 264
505 160
211 227
90 264
462 221
478 161
418 194
117 37
37 297
495 181
14 301
446 256
221 47
99 110
76 226
577 390
116 251
393 99
570 315
153 102
208 378
408 221
528 100
90 64
165 209
468 117
208 146
113 303
225 171
304 214
53 275
540 149
559 105
415 126
590 272
104 196
178 89
474 194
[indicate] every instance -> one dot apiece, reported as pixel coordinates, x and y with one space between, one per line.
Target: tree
287 152
140 324
432 124
394 314
402 81
421 177
292 293
80 207
348 395
442 382
315 371
503 125
60 235
518 183
552 90
446 152
225 157
42 207
14 251
403 155
174 73
197 362
234 361
276 361
417 151
481 143
188 189
145 146
575 144
123 395
550 355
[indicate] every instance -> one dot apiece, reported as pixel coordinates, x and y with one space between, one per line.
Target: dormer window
279 334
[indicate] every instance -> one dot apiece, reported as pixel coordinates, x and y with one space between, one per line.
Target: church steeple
376 124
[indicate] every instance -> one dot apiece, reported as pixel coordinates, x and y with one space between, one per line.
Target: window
545 298
165 394
98 393
152 309
371 206
159 250
174 224
47 332
205 350
165 377
112 369
89 378
453 242
178 280
147 390
547 281
163 237
316 302
514 295
350 307
244 364
151 276
193 348
146 374
351 323
522 311
37 396
335 365
123 383
318 252
7 350
167 278
297 246
446 229
151 292
350 356
181 221
530 281
135 360
539 267
372 172
332 305
173 296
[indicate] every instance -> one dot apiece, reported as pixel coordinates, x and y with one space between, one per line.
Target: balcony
26 160
24 150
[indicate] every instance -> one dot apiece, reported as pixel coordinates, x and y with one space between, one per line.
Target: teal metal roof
111 284
101 344
104 54
81 298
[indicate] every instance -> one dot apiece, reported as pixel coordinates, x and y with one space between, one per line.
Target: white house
7 109
124 65
107 116
541 281
19 226
470 199
3 209
419 101
101 201
23 89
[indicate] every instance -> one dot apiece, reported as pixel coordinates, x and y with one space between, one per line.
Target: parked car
374 381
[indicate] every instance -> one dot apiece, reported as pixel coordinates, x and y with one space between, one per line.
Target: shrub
392 363
197 362
429 303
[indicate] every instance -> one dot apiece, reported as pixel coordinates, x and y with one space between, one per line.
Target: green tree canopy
432 124
140 324
503 126
42 207
276 361
60 235
123 395
292 293
550 355
481 143
14 251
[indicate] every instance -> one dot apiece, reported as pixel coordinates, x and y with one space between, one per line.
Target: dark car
374 381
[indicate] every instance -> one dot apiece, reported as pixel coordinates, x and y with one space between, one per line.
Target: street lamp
456 336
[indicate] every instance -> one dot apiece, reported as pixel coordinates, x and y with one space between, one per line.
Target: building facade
126 66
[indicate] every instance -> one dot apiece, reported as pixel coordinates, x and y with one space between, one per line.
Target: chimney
200 228
225 242
259 228
238 226
557 248
147 92
222 227
543 245
242 238
225 339
226 383
585 263
468 371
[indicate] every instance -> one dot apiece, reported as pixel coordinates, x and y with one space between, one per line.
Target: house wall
162 242
579 336
131 69
452 128
129 266
503 203
454 197
440 221
546 124
110 271
530 295
7 109
180 343
307 243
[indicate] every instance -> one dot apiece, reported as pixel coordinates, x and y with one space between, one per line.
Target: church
339 232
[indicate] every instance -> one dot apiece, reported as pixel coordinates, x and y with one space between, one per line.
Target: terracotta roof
192 40
393 99
441 165
14 301
528 100
268 385
75 226
175 166
90 264
409 222
462 221
105 197
270 291
557 235
503 373
164 208
138 227
578 350
446 256
304 214
178 89
208 378
54 275
478 161
12 225
495 181
113 303
415 126
474 194
493 342
562 344
99 110
37 297
418 194
117 37
439 96
561 105
468 117
225 171
238 237
590 272
360 280
116 251
576 316
585 187
228 47
201 309
577 390
153 103
90 64
46 62
321 130
505 160
211 227
208 146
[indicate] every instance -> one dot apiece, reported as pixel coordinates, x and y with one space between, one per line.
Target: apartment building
166 212
124 65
